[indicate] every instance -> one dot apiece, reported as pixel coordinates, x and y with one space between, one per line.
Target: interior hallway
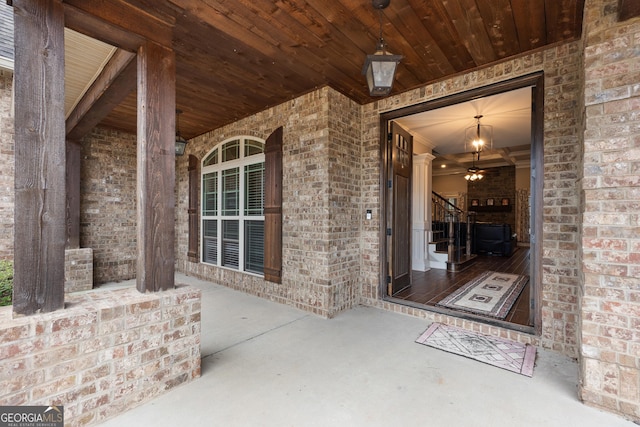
266 364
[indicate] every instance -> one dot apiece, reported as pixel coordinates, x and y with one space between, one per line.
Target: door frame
534 80
395 218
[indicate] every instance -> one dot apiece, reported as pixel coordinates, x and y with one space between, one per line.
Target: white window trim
239 163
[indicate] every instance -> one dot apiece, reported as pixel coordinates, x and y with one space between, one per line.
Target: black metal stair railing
451 231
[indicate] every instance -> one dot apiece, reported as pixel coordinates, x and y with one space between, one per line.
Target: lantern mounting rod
380 4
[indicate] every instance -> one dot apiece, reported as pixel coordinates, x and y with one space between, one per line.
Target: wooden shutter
273 207
194 179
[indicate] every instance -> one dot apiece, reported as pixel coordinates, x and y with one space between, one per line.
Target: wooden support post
40 214
156 168
74 154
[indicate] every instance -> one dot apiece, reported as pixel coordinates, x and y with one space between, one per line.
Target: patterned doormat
490 294
505 354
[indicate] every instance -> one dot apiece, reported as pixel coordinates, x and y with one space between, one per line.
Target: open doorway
484 230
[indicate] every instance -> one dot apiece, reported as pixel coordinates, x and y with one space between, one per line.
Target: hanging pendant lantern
380 68
181 143
478 137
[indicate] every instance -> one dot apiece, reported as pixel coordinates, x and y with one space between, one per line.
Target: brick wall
109 351
108 203
78 270
346 212
610 301
108 199
321 204
498 183
562 169
6 166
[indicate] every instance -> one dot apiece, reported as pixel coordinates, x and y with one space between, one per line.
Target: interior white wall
443 184
421 211
523 178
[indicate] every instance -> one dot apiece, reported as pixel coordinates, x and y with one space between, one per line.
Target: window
233 176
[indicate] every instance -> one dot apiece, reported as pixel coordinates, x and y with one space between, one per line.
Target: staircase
450 242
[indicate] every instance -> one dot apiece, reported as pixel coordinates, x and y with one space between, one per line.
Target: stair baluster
451 226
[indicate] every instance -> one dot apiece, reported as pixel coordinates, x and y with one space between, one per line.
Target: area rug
505 354
490 294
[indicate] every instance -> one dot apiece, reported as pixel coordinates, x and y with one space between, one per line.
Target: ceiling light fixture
478 137
380 68
181 143
473 173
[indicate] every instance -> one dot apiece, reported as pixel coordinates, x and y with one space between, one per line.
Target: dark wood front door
400 149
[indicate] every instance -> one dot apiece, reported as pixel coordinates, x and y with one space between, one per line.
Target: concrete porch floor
266 364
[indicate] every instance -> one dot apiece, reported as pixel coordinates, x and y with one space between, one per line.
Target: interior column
156 168
421 211
40 214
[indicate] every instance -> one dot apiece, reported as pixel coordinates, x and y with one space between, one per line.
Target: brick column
610 300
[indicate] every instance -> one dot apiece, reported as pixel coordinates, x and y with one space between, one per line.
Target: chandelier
477 138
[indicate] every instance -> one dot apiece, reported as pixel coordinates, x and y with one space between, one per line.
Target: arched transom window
233 205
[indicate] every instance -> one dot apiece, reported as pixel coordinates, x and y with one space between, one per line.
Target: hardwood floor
431 286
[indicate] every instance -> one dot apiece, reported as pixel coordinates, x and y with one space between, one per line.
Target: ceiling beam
94 27
115 82
117 23
504 153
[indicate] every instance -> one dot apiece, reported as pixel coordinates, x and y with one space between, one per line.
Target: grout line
254 336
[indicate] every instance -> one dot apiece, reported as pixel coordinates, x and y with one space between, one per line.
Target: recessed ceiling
443 131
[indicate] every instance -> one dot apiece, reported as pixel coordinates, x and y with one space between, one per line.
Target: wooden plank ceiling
238 57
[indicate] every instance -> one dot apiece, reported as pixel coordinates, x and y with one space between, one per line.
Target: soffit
84 60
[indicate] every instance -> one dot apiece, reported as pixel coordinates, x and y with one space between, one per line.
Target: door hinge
389 184
388 279
388 232
389 137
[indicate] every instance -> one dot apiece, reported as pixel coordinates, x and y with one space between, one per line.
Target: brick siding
108 203
610 295
109 351
78 270
7 202
321 205
501 183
